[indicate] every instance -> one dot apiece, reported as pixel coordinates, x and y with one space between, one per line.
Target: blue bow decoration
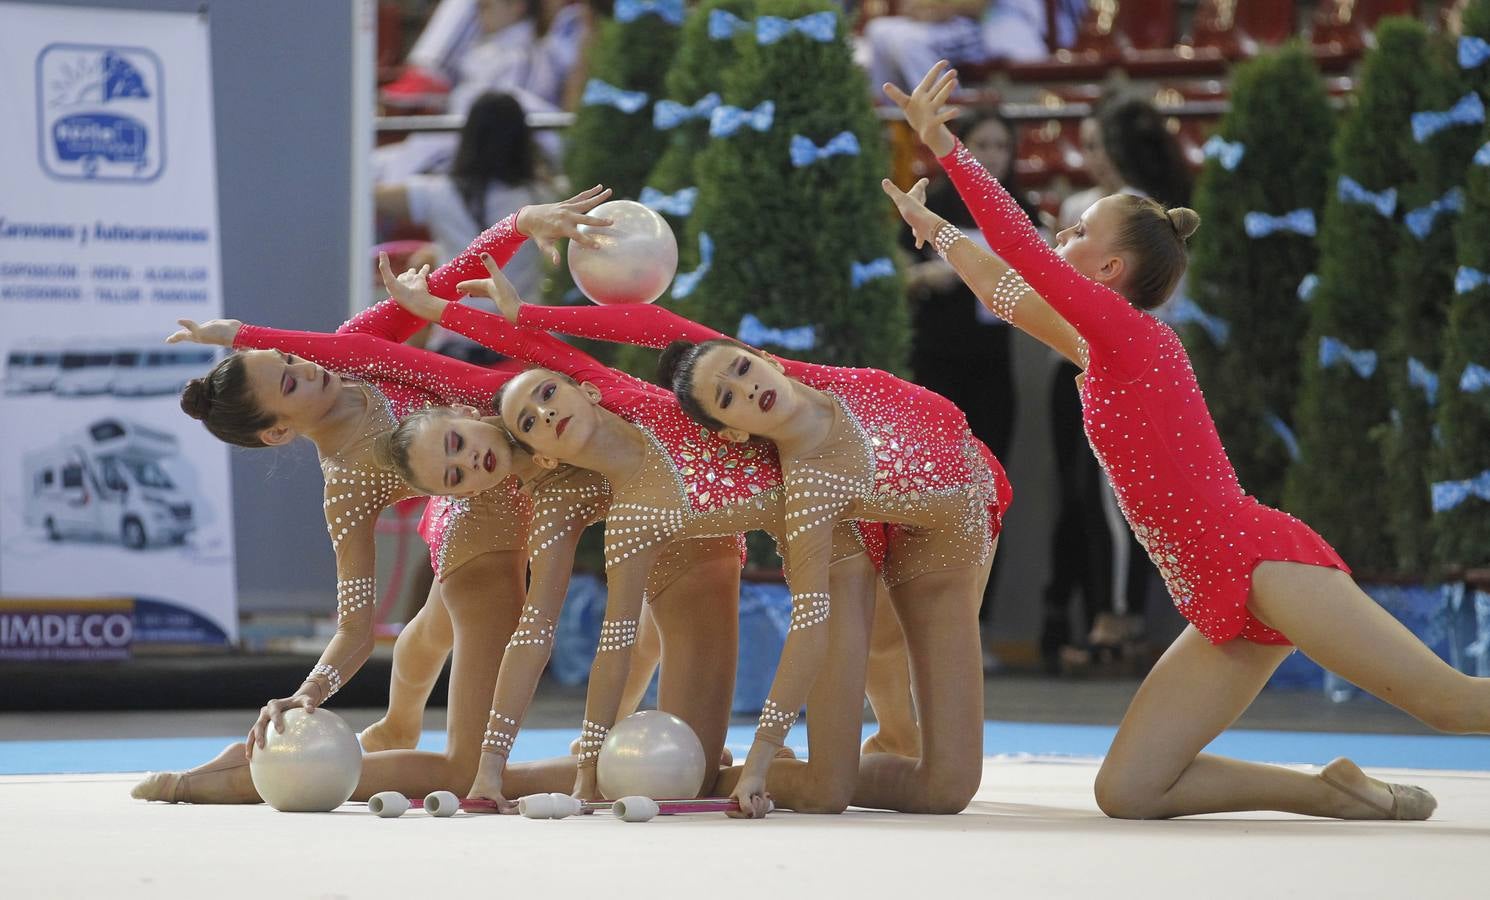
756 333
684 284
1470 110
1482 155
723 24
1228 153
1285 434
1420 221
1473 52
1475 378
599 93
679 203
1467 279
884 267
1183 310
821 27
670 113
726 120
804 152
1352 191
1307 286
1420 376
1260 224
1333 350
669 11
1449 494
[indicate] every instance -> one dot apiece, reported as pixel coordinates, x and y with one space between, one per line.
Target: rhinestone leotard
1149 427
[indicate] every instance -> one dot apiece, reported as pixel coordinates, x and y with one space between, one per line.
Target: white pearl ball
637 258
313 766
651 754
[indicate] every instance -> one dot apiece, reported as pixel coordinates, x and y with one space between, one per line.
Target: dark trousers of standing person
1091 549
975 370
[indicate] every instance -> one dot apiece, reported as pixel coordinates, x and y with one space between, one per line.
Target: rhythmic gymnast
670 480
266 397
1250 579
854 444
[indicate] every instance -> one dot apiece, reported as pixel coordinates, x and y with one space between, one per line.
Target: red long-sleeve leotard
1150 429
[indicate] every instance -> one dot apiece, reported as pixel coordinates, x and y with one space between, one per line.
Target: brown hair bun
1184 220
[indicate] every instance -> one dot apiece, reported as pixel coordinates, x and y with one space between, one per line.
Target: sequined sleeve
390 321
355 494
814 506
537 347
1113 328
639 324
563 505
625 584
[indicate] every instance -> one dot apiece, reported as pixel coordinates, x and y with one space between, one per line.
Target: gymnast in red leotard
854 444
271 391
1250 579
670 480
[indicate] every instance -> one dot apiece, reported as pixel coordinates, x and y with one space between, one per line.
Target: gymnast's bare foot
223 780
384 735
879 742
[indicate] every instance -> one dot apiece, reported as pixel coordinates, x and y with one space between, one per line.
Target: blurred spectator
1127 149
900 49
958 348
495 172
526 48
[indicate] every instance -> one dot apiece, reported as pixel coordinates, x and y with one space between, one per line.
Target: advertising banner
113 503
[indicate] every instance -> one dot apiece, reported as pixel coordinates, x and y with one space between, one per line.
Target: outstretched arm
1107 322
625 591
639 324
999 288
545 223
559 518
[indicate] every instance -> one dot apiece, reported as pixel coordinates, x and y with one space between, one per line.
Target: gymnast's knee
824 794
1120 797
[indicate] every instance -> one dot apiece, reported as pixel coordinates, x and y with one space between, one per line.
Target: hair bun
382 450
196 398
1184 220
671 358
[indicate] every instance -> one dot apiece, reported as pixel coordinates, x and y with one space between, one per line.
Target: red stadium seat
1098 47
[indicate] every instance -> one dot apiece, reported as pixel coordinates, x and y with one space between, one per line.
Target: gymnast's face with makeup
550 413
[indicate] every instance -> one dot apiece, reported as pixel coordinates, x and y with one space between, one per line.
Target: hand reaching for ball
548 223
218 332
273 713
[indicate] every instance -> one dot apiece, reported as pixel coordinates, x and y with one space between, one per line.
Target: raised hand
926 109
496 288
912 209
218 332
411 290
547 223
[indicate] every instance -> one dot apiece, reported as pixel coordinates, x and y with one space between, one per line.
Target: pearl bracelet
946 235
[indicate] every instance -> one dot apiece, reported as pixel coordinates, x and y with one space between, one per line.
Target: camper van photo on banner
115 509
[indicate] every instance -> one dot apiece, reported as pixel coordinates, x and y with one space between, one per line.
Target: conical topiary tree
798 244
1424 267
612 140
1336 484
1270 154
706 50
1461 489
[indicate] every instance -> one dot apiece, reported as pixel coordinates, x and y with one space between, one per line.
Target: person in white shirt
496 169
898 49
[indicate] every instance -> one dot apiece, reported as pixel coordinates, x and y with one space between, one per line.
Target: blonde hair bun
1184 220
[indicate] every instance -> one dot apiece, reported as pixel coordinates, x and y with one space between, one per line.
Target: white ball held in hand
636 260
313 766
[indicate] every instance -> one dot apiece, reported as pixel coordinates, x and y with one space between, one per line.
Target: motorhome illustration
138 368
107 482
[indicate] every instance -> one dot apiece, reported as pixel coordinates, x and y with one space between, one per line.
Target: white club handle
388 804
442 804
